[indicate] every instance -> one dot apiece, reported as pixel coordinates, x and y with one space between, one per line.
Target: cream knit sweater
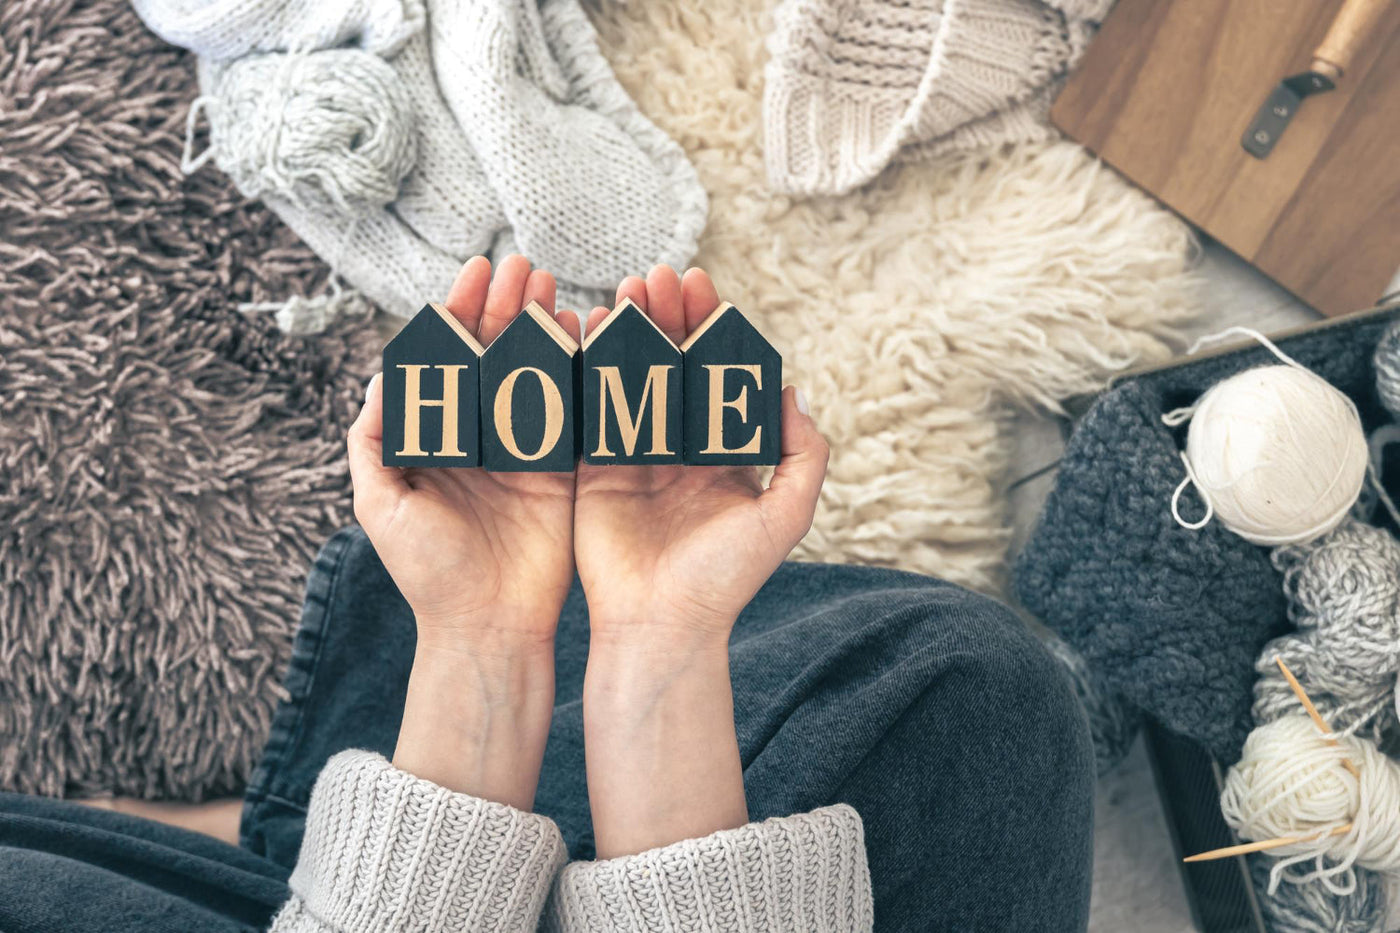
385 851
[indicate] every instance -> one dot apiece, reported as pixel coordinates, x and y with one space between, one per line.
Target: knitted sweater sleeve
795 874
384 850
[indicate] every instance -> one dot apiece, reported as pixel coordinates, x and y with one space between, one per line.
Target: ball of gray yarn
1343 592
1311 908
331 129
1387 364
1113 723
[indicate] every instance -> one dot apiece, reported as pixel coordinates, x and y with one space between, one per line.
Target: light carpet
921 313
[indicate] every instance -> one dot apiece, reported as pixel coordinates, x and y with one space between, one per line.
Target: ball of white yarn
1292 781
331 129
1278 453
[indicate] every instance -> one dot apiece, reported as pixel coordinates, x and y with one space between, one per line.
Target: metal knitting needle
1264 844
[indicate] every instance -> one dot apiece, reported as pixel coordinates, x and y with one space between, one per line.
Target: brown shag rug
168 466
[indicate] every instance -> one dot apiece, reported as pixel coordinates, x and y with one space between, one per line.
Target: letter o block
631 391
431 393
529 379
731 393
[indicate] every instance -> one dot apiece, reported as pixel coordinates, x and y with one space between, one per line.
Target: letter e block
431 397
631 391
731 393
529 380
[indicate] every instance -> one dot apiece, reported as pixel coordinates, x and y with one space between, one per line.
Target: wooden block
631 391
431 393
529 383
731 393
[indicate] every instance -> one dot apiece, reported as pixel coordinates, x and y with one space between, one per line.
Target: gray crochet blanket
167 465
1168 618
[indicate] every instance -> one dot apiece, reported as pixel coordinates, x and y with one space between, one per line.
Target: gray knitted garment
385 850
1171 619
398 138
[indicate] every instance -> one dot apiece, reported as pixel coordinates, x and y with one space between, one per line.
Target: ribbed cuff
385 850
797 874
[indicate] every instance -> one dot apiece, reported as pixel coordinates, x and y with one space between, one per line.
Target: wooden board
732 393
529 377
431 399
631 391
1165 92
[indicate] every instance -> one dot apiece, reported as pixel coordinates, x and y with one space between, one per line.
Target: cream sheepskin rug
921 313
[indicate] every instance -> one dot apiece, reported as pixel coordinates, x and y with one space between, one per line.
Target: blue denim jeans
930 709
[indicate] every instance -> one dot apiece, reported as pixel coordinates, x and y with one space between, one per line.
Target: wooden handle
1355 21
1263 845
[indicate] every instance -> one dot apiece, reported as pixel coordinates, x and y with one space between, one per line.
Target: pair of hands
668 556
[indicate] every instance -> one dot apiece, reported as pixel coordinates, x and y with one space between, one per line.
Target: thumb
790 500
378 488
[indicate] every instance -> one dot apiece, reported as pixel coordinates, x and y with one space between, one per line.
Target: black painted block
731 393
431 394
529 396
631 391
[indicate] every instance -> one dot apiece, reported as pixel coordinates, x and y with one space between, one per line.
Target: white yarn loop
1291 781
1276 452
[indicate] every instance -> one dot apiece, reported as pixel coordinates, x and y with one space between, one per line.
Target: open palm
688 546
473 552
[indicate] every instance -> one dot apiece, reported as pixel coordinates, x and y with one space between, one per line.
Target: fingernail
369 386
799 398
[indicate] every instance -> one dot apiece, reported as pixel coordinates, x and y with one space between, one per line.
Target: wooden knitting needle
1317 719
1245 848
1264 844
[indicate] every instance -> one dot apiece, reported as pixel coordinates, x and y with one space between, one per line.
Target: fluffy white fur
919 313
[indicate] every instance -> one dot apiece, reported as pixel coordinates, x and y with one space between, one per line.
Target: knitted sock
592 189
851 83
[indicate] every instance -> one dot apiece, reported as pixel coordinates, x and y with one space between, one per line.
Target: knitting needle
1245 848
1264 844
1312 711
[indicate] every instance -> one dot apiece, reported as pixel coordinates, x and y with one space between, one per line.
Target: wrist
503 633
476 723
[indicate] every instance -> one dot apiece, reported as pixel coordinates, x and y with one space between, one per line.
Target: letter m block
432 397
732 391
631 391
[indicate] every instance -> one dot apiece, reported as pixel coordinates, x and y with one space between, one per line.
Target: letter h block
732 391
431 397
529 381
631 391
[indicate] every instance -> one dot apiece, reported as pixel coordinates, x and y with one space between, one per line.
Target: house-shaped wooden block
631 391
529 381
431 397
731 392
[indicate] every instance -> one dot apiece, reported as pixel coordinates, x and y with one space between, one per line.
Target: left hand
485 560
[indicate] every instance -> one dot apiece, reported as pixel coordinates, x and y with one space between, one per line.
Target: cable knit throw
1171 619
400 137
168 465
853 84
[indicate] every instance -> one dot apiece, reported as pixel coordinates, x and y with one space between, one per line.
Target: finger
378 488
540 287
633 287
505 297
791 498
698 297
595 319
664 298
467 296
571 323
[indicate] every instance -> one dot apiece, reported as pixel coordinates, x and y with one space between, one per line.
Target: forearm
475 720
662 754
